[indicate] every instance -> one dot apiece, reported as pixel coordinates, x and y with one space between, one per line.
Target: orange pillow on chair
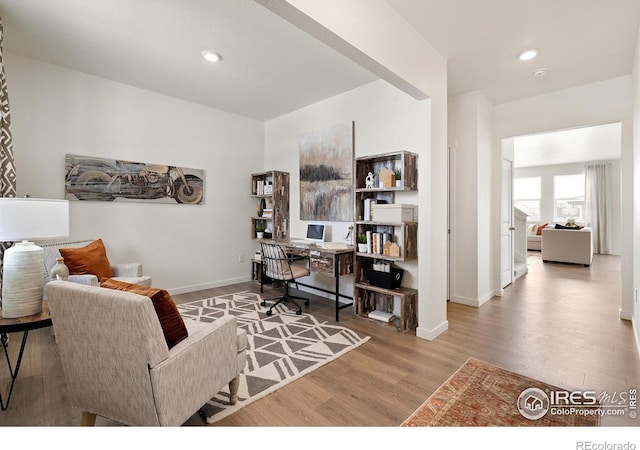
170 319
540 228
91 259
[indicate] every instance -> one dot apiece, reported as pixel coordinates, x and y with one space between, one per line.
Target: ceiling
579 42
596 143
270 67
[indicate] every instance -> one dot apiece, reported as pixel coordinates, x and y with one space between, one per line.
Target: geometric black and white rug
281 348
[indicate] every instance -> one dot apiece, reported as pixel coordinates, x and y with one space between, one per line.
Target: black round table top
26 323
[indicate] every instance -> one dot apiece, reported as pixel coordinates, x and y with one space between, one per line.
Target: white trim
430 335
624 315
636 334
475 302
203 286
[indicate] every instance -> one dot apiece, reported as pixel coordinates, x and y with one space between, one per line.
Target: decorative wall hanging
326 174
7 167
101 179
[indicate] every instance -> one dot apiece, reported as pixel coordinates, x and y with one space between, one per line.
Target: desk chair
278 266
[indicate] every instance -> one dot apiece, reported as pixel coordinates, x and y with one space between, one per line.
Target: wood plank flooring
559 324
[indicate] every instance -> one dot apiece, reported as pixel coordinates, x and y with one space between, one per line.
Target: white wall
374 35
593 104
470 119
184 247
546 173
386 120
636 190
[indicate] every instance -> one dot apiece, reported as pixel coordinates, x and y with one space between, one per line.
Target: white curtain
598 206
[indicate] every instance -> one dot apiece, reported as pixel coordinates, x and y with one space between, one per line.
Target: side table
24 325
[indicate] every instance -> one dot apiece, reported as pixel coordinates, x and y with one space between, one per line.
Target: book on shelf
262 187
381 316
368 203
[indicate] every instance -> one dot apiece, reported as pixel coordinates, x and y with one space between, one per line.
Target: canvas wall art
102 179
326 174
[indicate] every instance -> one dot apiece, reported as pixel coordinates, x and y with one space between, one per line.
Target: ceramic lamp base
22 280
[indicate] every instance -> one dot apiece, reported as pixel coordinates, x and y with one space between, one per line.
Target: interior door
506 228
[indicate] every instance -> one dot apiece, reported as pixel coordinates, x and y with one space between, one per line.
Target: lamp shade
33 218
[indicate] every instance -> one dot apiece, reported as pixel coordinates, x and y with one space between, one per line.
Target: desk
24 324
331 262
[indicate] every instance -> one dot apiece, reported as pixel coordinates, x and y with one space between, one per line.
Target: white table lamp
22 219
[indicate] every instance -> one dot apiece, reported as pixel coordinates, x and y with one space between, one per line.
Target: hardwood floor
558 324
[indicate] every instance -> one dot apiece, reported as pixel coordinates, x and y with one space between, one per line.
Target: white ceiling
596 143
270 67
580 42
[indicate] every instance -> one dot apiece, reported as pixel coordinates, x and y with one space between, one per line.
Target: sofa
534 235
567 246
118 363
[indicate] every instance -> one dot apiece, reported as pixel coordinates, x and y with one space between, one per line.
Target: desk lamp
22 219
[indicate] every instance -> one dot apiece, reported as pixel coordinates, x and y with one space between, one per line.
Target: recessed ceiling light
211 56
541 72
528 54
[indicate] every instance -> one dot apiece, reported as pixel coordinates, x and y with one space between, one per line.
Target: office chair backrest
275 262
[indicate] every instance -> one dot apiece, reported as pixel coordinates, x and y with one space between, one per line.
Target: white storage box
392 213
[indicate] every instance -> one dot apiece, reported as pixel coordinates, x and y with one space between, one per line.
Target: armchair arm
197 369
127 270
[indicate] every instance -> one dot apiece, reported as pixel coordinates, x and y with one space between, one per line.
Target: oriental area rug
281 348
480 394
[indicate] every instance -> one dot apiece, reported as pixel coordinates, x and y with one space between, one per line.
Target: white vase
259 234
59 271
399 184
362 248
23 281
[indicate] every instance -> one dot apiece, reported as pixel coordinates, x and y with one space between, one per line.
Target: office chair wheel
269 312
298 312
306 303
263 303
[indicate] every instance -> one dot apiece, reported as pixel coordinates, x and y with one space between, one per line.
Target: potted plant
362 243
398 174
260 229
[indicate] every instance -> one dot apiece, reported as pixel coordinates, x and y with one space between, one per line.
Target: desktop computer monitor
315 232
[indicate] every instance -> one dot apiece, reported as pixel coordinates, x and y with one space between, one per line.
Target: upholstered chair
118 365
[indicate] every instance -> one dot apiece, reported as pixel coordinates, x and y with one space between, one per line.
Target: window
526 196
568 193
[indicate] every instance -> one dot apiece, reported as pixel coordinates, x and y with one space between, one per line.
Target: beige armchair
568 246
117 363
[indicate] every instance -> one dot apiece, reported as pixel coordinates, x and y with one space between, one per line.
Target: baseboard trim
431 334
203 286
475 302
465 301
636 335
624 315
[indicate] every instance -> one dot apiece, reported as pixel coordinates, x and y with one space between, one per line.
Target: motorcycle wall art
101 179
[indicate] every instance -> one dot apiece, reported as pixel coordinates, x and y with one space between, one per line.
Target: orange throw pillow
170 319
540 228
91 259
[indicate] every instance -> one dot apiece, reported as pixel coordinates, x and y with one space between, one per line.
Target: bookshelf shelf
401 233
272 188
